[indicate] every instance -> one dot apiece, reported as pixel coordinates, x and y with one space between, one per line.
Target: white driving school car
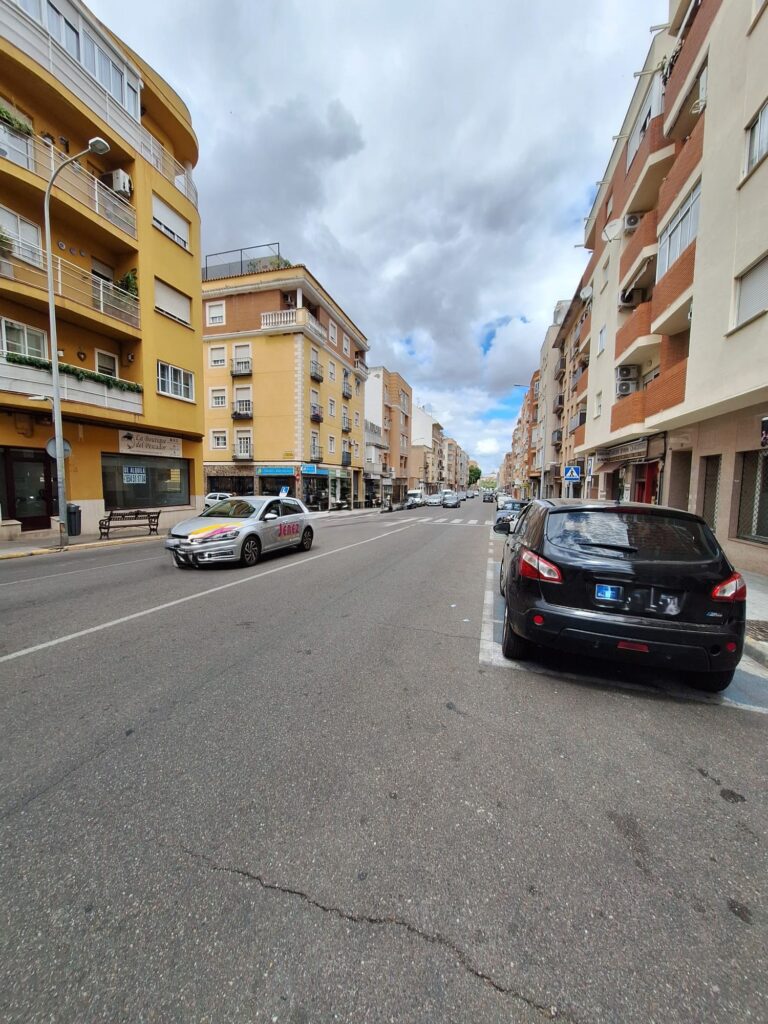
239 529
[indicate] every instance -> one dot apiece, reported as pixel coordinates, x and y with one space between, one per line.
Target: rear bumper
681 646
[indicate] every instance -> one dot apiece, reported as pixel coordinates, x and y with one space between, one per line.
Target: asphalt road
314 792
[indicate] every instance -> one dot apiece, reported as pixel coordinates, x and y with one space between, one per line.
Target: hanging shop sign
631 450
132 442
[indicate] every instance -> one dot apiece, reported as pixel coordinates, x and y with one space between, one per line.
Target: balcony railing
41 159
558 403
32 380
346 424
557 437
346 389
242 453
242 409
576 421
300 317
241 367
27 265
316 413
560 368
34 41
316 453
316 371
361 368
346 458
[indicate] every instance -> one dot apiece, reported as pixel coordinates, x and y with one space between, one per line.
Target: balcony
635 343
667 390
316 453
558 403
241 367
677 73
560 368
33 155
316 371
361 368
294 319
581 383
242 409
649 166
242 452
346 389
22 379
576 421
628 411
346 425
77 291
34 41
672 297
316 413
641 248
346 458
557 437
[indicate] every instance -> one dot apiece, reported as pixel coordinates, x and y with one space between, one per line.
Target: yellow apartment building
125 254
285 372
389 406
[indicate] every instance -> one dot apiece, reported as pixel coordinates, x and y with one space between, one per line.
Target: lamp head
98 146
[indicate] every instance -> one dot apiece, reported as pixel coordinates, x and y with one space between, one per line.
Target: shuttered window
170 222
753 291
172 303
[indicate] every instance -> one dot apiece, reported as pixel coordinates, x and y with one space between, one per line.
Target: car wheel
512 645
250 552
710 682
180 563
306 540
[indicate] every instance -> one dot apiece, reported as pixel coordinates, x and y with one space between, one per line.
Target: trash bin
74 520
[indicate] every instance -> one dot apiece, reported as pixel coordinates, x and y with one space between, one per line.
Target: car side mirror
502 526
270 516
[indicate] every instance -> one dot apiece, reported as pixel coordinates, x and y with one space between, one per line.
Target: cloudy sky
431 161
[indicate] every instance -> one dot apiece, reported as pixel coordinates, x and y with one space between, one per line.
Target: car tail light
534 567
630 645
733 589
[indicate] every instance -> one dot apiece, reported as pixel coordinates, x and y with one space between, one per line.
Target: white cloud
488 446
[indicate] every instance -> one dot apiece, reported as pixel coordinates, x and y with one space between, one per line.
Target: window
63 32
218 439
357 449
172 303
218 398
757 136
332 332
679 232
243 443
605 272
32 7
215 314
169 222
345 344
314 397
402 418
331 406
753 497
144 481
628 536
650 108
753 292
217 355
609 206
16 147
357 419
106 363
109 75
331 445
601 340
598 403
331 370
22 340
175 382
24 236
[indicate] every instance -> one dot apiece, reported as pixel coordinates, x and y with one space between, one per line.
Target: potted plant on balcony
6 250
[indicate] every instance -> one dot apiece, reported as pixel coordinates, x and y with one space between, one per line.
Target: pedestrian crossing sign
572 473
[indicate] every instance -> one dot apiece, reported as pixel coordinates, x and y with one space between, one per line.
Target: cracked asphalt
303 798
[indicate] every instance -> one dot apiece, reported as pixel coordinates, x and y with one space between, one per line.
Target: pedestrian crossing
439 521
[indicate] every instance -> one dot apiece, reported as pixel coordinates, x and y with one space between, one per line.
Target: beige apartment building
285 369
426 459
660 354
388 404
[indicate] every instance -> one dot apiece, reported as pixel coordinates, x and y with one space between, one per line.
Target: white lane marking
454 522
473 522
426 519
191 597
441 520
72 572
489 522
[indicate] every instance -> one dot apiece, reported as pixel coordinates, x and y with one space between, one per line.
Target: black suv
629 582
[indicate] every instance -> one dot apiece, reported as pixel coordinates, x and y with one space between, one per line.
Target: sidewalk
756 640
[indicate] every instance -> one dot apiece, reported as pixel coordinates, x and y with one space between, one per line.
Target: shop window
144 481
711 489
753 497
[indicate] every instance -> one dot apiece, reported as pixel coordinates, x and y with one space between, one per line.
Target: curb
757 650
89 545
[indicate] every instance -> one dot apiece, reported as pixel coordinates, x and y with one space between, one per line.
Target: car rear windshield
632 536
232 508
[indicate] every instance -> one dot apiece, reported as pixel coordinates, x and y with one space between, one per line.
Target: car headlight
223 535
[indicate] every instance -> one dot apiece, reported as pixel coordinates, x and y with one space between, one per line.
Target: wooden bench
119 518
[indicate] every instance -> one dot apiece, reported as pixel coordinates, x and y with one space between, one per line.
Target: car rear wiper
611 547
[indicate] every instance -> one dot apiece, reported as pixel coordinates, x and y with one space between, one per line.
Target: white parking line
293 564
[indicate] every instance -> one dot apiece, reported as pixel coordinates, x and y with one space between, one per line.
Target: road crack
385 921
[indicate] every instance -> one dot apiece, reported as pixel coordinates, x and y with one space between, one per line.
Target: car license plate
605 592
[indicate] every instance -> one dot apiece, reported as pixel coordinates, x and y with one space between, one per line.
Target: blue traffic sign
572 473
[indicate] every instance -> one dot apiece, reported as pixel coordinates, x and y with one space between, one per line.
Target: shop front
27 487
271 480
229 478
631 471
326 488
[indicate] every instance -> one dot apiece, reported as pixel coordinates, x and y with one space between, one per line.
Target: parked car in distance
510 510
215 496
434 499
462 495
628 582
239 529
488 496
417 497
501 497
451 500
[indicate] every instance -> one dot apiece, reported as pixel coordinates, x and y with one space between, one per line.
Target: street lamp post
98 146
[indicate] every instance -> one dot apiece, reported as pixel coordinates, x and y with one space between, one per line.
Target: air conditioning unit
630 298
626 387
631 222
119 181
629 372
